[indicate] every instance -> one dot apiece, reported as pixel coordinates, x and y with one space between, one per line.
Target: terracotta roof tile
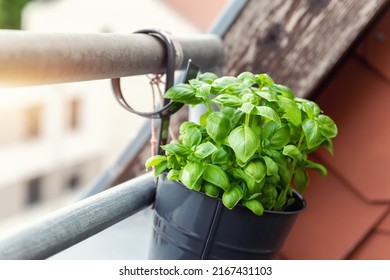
377 247
384 226
348 214
335 220
358 101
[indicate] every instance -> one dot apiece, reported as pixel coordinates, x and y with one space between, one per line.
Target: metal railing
79 221
41 58
29 58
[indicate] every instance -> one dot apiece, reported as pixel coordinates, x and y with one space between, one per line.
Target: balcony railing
31 58
79 221
40 58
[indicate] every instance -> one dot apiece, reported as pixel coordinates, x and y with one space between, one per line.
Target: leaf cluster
251 146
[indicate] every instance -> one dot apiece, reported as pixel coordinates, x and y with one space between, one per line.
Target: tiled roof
359 100
335 221
348 213
376 247
385 225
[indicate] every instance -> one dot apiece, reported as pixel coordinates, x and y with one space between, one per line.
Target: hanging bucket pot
191 225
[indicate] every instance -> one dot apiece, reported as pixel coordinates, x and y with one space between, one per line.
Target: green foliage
253 150
11 12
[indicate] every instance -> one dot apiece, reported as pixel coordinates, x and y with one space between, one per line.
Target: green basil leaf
300 179
275 136
203 91
311 109
183 93
264 80
211 190
282 90
247 78
221 157
268 113
249 97
218 126
228 112
327 127
311 131
244 142
228 100
160 168
185 125
257 169
292 151
328 144
266 94
195 83
233 115
281 201
248 108
249 180
240 162
316 166
205 149
222 84
176 148
283 168
273 179
272 167
190 135
291 109
231 197
268 196
207 77
155 160
173 161
290 201
173 175
255 190
198 186
256 124
203 118
255 206
295 133
191 174
217 176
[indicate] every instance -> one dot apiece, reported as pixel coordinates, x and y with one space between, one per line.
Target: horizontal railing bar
79 221
29 58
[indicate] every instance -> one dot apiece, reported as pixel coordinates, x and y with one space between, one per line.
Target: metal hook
167 108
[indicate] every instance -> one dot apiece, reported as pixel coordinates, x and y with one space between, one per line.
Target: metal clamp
168 107
170 72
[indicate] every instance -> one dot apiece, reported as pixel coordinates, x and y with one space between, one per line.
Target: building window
34 191
74 114
74 181
32 116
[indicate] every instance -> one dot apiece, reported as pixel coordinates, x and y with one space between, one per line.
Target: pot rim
292 212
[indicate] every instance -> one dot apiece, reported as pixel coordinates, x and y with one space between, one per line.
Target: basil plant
251 146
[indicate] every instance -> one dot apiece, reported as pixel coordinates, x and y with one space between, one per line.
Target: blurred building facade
54 139
50 143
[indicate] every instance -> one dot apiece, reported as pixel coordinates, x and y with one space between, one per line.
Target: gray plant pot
191 225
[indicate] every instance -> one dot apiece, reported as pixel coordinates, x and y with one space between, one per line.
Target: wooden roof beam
298 43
